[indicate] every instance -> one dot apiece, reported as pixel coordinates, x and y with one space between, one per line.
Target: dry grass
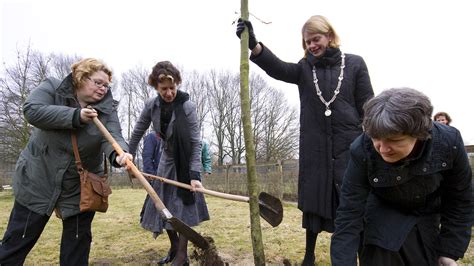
118 238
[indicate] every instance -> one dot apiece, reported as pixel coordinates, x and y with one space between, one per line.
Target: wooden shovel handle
133 169
202 190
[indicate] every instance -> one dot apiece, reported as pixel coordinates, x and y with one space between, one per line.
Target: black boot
181 258
309 258
174 240
168 258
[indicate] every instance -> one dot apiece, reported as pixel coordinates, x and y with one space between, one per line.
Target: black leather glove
241 24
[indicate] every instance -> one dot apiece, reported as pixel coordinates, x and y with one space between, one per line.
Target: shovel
177 224
270 207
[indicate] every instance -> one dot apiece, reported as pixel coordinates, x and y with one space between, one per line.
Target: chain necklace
336 91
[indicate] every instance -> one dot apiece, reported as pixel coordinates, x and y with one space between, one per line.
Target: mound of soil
208 256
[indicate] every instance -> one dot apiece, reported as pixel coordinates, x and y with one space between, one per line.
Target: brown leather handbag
95 190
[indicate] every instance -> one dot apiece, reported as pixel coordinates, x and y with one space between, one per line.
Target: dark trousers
414 251
25 227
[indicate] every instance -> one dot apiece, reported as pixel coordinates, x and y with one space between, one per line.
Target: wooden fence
279 179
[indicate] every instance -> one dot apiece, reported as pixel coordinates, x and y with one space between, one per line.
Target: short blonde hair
320 24
86 67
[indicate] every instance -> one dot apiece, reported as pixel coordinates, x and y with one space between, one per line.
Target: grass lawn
118 238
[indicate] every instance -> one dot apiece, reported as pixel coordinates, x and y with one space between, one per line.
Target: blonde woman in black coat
333 86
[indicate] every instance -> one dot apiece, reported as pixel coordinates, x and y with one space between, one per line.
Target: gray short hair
398 111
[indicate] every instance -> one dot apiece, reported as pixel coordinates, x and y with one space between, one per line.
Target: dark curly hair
164 70
438 114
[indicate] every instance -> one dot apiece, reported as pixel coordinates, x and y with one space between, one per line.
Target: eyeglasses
99 84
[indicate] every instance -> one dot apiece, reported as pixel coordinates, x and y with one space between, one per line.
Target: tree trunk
256 231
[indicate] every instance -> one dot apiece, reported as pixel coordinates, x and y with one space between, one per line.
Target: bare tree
234 136
224 109
60 65
215 93
15 85
275 124
259 102
135 91
17 81
195 84
279 130
217 107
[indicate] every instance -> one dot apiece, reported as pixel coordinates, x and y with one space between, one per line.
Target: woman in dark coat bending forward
407 186
333 86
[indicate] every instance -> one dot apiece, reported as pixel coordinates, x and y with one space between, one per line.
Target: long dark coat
324 141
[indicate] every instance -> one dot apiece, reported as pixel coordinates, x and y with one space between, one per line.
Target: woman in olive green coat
46 177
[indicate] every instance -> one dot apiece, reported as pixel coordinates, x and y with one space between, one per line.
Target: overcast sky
427 45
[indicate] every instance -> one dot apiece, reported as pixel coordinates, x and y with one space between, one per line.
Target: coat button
443 164
399 178
376 180
424 169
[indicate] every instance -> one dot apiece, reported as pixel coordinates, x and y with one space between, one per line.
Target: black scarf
331 56
181 141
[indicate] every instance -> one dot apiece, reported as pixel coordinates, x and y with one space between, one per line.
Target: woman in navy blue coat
151 153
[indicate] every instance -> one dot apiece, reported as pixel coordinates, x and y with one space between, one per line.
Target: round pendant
327 113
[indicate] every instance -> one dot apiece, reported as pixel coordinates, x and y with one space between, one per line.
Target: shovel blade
271 208
187 231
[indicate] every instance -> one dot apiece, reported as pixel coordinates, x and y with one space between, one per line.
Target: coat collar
331 57
433 155
181 98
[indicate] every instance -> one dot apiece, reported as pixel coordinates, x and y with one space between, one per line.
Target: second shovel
270 207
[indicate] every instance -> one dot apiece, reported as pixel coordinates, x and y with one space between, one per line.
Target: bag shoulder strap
76 153
106 169
78 157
